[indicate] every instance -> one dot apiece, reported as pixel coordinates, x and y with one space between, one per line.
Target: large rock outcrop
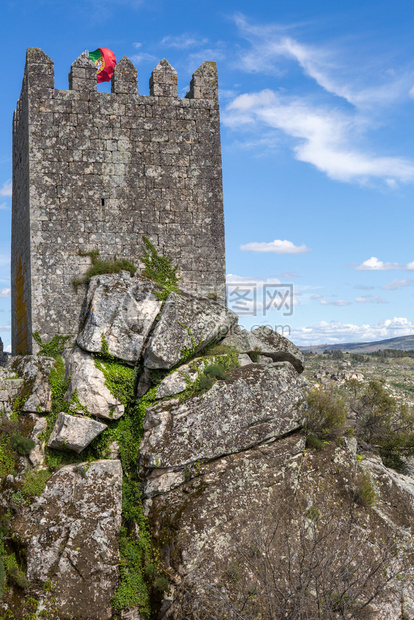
88 383
71 536
187 325
120 309
263 341
36 391
255 404
237 520
74 432
231 493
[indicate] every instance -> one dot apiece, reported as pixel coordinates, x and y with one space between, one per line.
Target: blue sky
317 108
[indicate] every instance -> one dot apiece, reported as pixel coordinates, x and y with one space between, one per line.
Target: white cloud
4 207
364 287
183 41
322 136
5 292
411 92
374 264
143 57
337 302
276 247
370 299
137 45
316 296
6 188
288 274
8 348
332 69
391 286
337 332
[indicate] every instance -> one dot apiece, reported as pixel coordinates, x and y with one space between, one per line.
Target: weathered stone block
74 432
187 323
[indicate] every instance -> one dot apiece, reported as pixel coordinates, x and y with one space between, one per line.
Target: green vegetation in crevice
100 266
54 347
216 368
364 492
187 353
159 269
13 444
255 354
139 567
120 378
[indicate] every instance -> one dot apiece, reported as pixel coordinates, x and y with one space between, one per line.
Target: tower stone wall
97 171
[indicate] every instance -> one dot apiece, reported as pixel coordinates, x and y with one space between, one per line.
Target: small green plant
100 266
364 491
13 572
161 584
35 482
22 445
54 347
17 498
188 352
204 383
32 603
48 586
159 269
325 415
254 355
313 513
314 443
215 371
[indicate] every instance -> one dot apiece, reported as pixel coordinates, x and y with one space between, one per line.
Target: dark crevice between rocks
198 464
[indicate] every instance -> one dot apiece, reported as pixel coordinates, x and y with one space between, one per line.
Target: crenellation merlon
125 78
82 75
163 80
204 84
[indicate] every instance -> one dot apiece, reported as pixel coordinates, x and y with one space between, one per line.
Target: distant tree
384 423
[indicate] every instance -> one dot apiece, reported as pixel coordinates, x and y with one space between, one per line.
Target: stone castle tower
96 171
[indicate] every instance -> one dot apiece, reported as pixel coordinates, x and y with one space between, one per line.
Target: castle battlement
97 171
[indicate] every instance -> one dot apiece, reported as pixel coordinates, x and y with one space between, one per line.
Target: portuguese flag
105 60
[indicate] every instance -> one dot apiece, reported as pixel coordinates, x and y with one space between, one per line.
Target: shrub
364 491
325 415
216 371
35 482
100 266
161 584
254 355
22 445
382 422
313 442
204 383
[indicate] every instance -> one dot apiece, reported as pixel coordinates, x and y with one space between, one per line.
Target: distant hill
403 343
